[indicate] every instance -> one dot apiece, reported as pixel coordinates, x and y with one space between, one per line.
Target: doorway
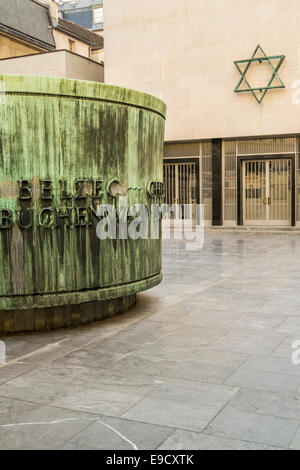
181 179
267 192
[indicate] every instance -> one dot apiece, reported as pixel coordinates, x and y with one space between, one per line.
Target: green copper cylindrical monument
68 148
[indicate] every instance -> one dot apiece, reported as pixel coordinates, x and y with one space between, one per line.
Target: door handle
269 201
265 201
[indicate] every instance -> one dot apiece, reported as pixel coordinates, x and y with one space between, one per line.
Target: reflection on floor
202 362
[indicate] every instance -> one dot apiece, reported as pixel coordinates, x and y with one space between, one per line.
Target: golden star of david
260 60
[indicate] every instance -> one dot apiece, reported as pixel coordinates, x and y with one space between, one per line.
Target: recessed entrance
181 184
267 192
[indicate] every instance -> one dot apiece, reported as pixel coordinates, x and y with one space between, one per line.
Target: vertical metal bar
289 181
253 201
166 183
174 182
245 173
280 177
244 180
277 190
252 185
179 183
186 184
250 191
169 182
280 181
285 190
257 176
189 184
266 189
183 183
256 185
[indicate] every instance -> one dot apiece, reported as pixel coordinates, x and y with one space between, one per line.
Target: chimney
53 5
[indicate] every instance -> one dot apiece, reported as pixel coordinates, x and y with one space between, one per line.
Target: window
72 45
98 15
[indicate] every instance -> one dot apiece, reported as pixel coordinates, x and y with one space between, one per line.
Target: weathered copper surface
67 147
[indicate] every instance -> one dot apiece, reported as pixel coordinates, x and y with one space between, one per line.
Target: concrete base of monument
48 318
51 311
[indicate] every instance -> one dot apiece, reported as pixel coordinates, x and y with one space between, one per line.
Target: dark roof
74 29
28 20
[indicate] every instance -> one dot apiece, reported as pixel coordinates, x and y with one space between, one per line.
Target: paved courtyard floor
204 361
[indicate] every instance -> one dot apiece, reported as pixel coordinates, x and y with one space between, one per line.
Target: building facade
25 28
79 40
87 13
74 36
35 41
61 64
31 26
230 75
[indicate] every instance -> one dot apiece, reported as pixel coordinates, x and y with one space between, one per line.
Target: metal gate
181 186
267 192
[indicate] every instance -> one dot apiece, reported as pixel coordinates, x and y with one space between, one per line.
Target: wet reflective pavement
204 361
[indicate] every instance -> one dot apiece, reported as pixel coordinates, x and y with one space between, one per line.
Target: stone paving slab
204 361
187 440
102 435
253 427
